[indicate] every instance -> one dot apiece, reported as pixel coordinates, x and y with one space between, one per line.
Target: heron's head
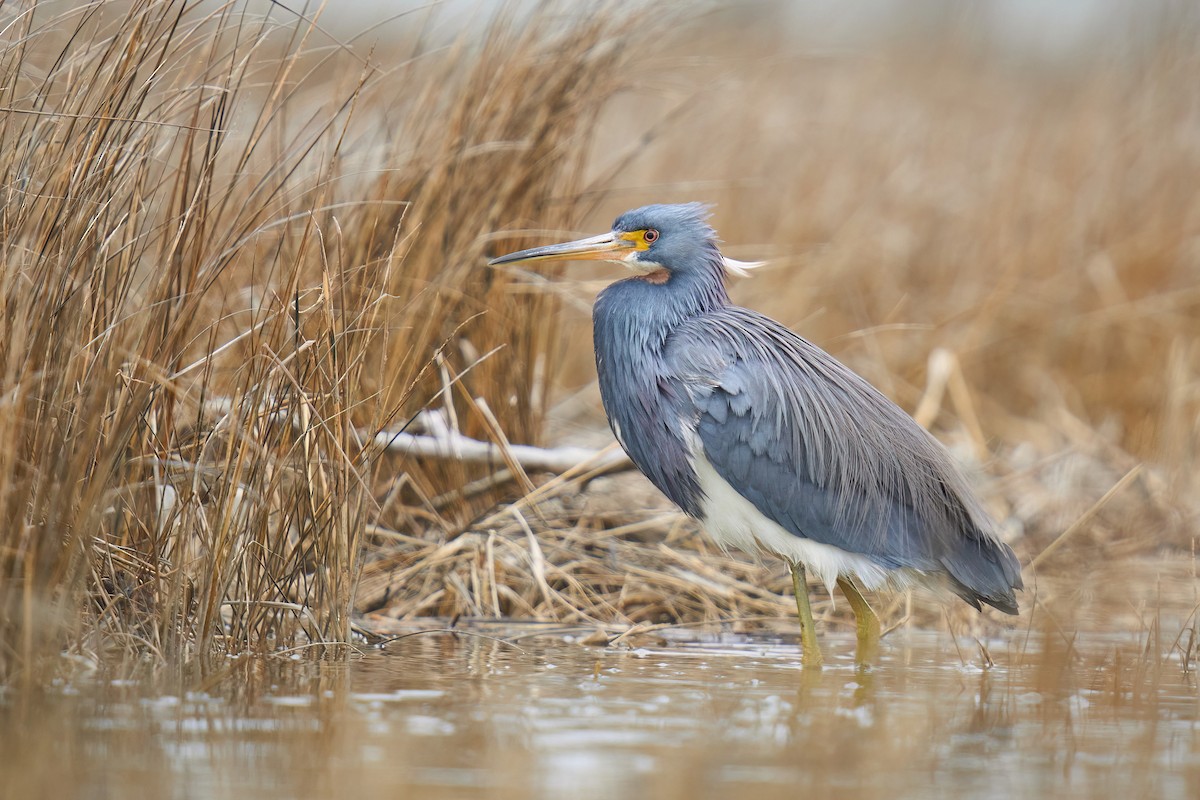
658 240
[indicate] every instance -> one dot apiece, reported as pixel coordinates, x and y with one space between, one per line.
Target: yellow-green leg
865 621
808 631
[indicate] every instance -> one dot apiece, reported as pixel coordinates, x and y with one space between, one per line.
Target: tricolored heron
768 440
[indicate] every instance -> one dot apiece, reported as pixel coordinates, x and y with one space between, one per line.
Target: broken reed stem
456 447
1086 516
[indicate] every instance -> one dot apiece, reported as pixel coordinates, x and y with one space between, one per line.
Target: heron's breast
650 418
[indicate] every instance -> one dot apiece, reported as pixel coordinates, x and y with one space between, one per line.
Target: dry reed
211 302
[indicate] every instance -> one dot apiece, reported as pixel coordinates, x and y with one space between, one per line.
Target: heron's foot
865 620
808 630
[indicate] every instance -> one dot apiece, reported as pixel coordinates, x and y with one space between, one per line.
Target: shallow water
448 716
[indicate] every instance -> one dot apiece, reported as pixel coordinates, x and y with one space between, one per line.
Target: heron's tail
984 569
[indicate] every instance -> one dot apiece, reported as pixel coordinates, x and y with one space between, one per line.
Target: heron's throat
657 277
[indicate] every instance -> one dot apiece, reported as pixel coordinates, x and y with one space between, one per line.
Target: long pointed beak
595 248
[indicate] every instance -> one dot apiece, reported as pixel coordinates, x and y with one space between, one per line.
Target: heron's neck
640 313
633 320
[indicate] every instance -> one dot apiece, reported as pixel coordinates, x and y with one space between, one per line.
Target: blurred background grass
240 240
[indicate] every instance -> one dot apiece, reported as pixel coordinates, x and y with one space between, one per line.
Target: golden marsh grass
235 249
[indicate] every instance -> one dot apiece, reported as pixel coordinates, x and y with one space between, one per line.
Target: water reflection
449 716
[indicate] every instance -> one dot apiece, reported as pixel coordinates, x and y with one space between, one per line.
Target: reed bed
234 251
243 259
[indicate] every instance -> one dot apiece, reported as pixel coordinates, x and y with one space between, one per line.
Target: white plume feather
741 268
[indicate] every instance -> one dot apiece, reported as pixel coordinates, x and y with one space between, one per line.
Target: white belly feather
733 521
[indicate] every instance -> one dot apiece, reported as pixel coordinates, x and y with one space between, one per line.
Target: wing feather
825 455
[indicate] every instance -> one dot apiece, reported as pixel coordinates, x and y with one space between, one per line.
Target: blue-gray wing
825 455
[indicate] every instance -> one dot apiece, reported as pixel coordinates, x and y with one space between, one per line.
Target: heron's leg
808 631
865 620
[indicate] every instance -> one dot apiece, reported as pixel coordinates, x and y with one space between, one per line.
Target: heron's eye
651 236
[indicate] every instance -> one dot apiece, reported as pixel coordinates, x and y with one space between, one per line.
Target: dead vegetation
232 254
235 250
